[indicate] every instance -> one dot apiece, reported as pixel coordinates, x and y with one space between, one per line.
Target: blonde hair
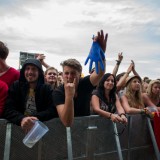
56 84
149 89
134 98
49 68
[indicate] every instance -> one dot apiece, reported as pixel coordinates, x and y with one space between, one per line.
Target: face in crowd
31 73
109 83
72 70
135 84
51 76
156 88
69 74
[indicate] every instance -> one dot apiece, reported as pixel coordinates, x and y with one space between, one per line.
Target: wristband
118 62
122 114
145 110
142 111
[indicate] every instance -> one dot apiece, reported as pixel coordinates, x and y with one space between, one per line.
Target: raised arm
122 80
120 58
41 58
102 41
133 69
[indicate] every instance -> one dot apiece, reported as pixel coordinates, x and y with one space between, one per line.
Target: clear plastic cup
153 110
38 130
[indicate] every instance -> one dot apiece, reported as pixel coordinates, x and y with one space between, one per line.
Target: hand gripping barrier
91 137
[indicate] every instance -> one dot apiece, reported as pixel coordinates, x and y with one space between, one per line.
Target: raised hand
120 57
102 40
133 68
97 50
130 68
40 57
96 55
69 88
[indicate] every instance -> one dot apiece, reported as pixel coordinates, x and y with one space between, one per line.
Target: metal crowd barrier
90 138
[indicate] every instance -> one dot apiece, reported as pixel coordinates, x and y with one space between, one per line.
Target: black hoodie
15 104
36 63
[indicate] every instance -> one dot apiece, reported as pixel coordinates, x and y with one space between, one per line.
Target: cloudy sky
63 29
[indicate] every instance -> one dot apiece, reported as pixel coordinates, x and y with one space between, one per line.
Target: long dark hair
112 94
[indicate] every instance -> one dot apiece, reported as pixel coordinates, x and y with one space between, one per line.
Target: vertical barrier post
91 138
117 142
91 143
153 139
129 134
7 142
40 143
69 143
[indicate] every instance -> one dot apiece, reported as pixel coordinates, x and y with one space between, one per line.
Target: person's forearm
68 112
135 73
45 64
134 111
122 81
120 110
115 70
102 113
94 77
101 73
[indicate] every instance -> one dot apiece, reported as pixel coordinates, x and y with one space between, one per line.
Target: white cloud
63 29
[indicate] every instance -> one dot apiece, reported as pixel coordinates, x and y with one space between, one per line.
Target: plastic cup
153 110
38 130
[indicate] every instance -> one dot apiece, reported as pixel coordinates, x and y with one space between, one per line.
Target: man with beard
29 98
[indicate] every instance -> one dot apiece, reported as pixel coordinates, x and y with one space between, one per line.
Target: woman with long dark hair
105 101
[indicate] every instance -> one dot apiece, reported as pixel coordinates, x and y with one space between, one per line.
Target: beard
31 80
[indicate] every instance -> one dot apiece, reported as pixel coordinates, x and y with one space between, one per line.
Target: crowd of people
33 94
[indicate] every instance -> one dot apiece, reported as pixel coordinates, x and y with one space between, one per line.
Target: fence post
117 142
129 134
69 143
40 143
7 142
91 138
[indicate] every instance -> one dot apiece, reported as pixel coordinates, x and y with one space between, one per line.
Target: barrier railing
90 138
